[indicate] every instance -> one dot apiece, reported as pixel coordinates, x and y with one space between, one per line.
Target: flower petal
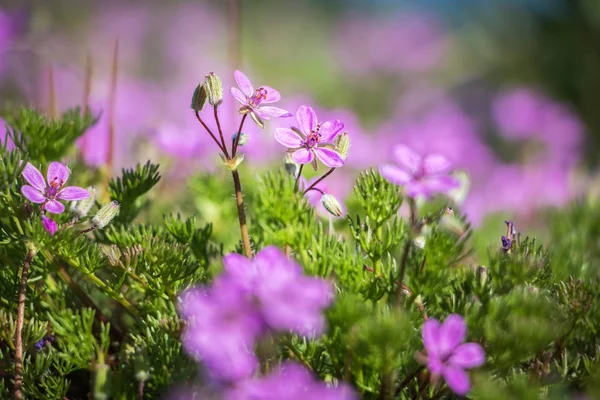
330 129
272 95
307 119
435 164
34 177
394 174
440 184
416 189
457 379
430 332
32 194
239 96
54 207
244 83
467 355
73 193
452 333
407 158
288 137
329 157
303 156
58 173
275 112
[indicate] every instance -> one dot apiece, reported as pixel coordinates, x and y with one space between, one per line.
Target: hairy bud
342 144
291 166
199 98
82 208
106 214
243 138
214 89
332 205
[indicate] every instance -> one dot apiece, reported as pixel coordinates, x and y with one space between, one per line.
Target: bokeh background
509 90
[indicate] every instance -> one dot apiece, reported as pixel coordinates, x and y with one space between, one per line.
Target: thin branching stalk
212 135
236 142
319 180
19 331
216 113
298 177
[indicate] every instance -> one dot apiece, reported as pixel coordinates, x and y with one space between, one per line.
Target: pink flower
49 225
251 99
447 355
313 139
49 194
421 176
290 381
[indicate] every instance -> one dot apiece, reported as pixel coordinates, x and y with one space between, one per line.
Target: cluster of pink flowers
249 299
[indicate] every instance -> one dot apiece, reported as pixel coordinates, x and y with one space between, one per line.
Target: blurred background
509 90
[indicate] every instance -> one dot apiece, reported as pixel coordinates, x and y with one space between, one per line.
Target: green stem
239 199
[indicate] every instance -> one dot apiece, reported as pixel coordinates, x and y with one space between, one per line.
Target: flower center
259 96
54 187
313 139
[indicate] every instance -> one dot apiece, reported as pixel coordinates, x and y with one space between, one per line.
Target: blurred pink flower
402 43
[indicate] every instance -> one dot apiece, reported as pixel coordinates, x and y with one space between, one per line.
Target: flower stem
220 131
210 132
239 199
19 330
319 180
237 136
404 259
298 177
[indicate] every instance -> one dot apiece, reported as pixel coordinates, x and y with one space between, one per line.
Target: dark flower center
313 139
258 97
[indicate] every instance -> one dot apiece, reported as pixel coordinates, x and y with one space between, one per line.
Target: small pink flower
447 355
421 176
313 140
49 225
49 193
252 100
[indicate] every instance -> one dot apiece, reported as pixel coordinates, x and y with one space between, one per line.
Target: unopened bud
291 166
243 138
342 144
332 205
257 120
82 208
106 214
214 89
199 97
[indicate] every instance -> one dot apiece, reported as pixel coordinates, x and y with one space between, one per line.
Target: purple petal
275 112
434 364
288 137
452 333
272 95
71 193
330 129
407 158
457 379
32 194
431 336
307 119
329 157
239 96
416 189
34 177
394 174
303 156
54 207
244 83
468 355
58 173
239 267
435 164
49 225
440 184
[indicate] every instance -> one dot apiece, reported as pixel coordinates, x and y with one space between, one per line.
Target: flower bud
214 89
342 144
199 97
291 166
332 205
49 225
243 138
82 208
106 214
